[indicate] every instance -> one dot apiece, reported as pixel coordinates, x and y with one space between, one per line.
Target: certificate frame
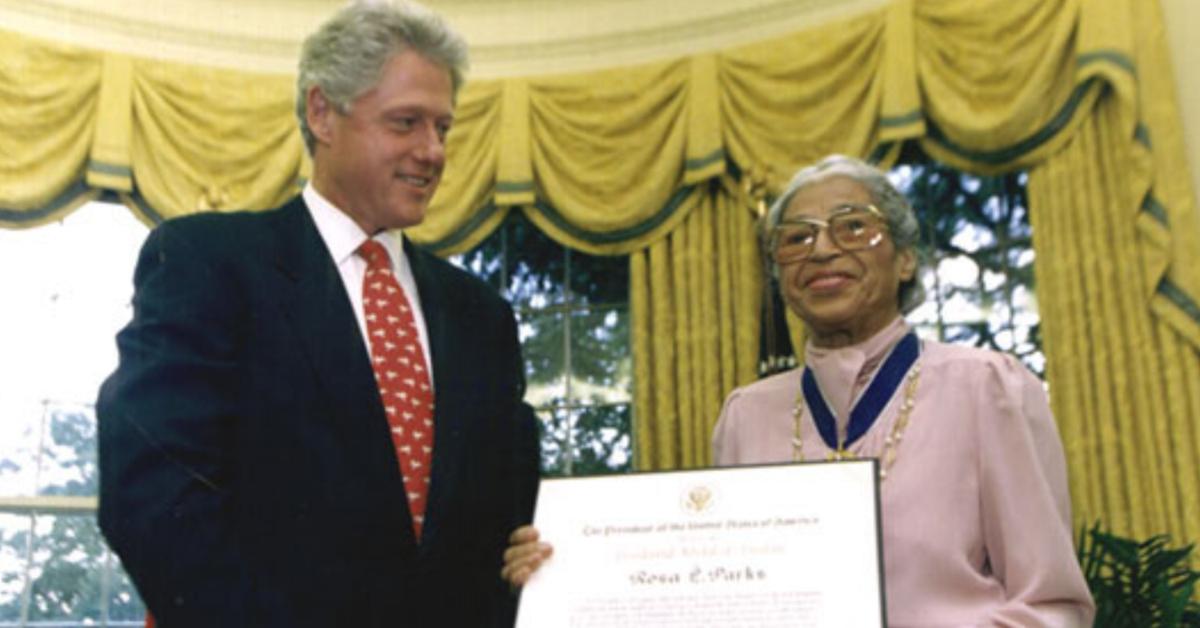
790 544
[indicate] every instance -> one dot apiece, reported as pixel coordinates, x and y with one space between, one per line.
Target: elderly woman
976 514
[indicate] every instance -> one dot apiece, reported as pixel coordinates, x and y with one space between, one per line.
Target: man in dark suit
254 467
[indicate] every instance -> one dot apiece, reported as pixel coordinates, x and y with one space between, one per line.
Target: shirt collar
342 235
872 349
844 371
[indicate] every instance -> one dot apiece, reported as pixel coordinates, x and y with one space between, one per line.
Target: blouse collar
843 372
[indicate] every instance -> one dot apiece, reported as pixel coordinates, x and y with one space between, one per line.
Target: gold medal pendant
840 454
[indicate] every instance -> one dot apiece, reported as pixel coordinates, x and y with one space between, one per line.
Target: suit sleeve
527 448
164 420
525 473
527 465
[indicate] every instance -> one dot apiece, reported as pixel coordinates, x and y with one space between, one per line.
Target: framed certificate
763 546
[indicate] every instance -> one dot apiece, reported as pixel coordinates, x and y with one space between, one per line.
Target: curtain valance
607 162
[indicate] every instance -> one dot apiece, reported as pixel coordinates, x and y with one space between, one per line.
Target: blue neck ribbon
871 404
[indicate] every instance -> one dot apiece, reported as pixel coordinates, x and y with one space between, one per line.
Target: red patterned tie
404 384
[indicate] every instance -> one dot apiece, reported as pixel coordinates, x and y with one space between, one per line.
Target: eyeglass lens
850 231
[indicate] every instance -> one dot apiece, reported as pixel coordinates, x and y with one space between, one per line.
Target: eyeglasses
851 228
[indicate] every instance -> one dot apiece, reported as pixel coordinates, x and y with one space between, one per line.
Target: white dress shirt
342 238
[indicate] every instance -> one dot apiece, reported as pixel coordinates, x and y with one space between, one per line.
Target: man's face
381 162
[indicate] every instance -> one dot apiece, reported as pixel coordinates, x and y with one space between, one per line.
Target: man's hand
523 556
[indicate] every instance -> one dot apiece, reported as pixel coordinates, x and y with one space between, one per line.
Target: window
979 280
573 321
67 288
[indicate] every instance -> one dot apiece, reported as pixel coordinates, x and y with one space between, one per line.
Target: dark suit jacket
247 472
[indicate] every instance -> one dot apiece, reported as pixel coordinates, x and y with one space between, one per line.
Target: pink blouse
975 509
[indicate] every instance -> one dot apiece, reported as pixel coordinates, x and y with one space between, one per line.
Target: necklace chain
890 444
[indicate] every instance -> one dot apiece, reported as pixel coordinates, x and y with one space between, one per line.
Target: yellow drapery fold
900 116
1170 216
207 139
599 161
109 165
608 153
694 307
787 102
47 120
514 182
705 155
999 80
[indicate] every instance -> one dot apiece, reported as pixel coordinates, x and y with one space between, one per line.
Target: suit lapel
314 300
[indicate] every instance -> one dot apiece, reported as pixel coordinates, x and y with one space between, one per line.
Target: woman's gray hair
897 211
346 55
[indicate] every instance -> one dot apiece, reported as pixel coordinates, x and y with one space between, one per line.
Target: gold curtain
603 162
639 161
694 299
1115 234
211 139
47 120
1125 387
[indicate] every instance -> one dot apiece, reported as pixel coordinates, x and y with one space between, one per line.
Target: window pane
69 577
586 440
602 439
67 569
522 263
485 261
534 265
533 287
14 547
542 344
20 426
124 604
69 453
73 283
597 279
72 280
601 365
980 279
574 332
59 342
556 441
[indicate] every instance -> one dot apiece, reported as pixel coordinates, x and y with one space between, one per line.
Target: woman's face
844 297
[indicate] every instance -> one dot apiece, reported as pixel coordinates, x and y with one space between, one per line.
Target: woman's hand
523 556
